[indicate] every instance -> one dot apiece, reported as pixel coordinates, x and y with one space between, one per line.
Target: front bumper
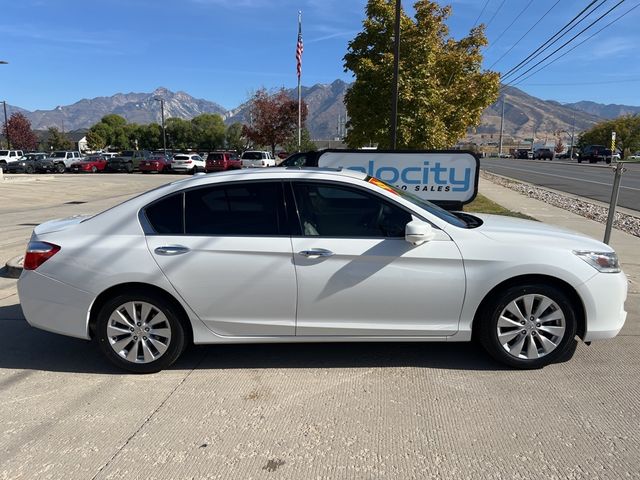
603 297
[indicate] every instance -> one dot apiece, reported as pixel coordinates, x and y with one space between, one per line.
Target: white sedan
314 255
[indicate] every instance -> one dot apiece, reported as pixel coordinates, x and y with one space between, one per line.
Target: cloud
37 33
613 47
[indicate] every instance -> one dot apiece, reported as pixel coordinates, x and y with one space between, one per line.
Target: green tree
150 136
208 131
179 133
442 88
306 144
274 118
95 140
112 128
627 130
234 139
58 140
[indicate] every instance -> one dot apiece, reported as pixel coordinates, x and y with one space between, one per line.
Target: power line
577 45
573 84
510 25
494 14
569 41
526 33
481 12
551 41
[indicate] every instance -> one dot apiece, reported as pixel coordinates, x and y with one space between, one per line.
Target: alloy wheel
138 332
531 326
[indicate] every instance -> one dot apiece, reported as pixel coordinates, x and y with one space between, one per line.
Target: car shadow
26 348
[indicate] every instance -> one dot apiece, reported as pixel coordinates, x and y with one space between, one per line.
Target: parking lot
403 410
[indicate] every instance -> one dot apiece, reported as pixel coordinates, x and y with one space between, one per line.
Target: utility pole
396 68
501 129
573 129
164 133
6 125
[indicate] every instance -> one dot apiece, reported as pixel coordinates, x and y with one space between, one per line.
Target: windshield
252 155
433 209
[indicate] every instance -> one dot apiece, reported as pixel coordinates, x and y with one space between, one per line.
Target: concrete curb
13 267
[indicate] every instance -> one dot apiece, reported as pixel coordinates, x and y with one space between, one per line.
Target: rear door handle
316 252
171 250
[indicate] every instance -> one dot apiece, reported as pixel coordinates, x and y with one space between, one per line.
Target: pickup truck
595 153
128 161
9 156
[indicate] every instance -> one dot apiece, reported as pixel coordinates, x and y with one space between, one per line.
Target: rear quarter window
166 216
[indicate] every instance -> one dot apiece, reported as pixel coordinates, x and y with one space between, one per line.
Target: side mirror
417 232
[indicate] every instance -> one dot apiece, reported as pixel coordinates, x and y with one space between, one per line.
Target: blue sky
222 50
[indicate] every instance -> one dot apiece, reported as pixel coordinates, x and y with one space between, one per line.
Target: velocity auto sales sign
449 176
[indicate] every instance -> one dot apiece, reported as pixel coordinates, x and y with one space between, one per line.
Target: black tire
94 169
488 324
176 344
129 167
60 168
28 169
194 170
3 165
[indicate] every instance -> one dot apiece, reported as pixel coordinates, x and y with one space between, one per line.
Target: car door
229 256
358 276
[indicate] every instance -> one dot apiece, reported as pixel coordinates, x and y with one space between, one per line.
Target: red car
92 164
218 161
157 163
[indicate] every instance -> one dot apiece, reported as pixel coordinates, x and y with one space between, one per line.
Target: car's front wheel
528 326
60 168
141 333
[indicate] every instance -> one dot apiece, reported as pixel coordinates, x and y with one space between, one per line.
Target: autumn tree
559 146
627 130
20 133
442 87
274 118
58 140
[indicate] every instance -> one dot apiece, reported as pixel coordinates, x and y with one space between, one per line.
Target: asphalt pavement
334 411
593 181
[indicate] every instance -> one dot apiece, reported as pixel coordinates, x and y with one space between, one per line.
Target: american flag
299 49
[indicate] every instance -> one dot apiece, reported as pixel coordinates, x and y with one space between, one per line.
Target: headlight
606 262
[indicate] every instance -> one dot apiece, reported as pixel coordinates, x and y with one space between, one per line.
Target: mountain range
524 114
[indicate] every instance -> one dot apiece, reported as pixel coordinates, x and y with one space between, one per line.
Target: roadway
586 180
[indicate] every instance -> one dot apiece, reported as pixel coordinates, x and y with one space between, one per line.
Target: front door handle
316 252
171 250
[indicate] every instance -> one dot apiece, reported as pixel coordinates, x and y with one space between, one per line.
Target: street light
164 134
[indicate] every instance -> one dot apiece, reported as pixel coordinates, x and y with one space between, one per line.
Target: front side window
330 210
236 209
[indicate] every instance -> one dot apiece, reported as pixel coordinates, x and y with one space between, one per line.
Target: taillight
38 253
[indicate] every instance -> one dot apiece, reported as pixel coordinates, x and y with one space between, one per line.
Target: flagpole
299 79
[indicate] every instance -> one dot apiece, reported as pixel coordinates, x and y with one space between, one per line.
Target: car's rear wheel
528 326
28 169
60 168
94 169
140 332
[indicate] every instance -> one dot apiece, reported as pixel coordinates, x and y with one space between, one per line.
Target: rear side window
167 215
242 209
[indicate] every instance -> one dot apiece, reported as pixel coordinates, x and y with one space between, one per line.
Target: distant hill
523 112
605 111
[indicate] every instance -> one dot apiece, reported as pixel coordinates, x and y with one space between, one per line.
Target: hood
59 224
510 229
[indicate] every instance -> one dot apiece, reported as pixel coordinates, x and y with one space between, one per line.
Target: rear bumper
54 306
603 297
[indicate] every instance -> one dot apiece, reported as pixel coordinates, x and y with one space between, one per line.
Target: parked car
92 163
257 158
595 153
156 163
329 255
25 164
635 157
543 154
128 161
521 153
218 161
187 163
63 160
9 156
